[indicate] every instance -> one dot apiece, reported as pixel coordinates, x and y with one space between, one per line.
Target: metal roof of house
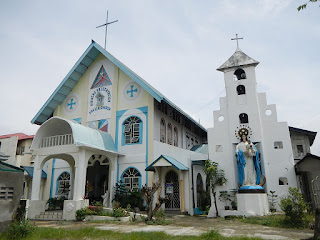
200 148
238 59
29 170
21 136
173 162
86 136
9 168
82 136
77 71
311 135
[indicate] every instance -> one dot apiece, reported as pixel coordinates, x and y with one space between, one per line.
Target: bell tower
243 108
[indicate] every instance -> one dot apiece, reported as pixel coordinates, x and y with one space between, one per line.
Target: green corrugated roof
9 168
175 163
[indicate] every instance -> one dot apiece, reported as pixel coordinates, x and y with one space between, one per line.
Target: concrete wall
265 129
9 147
299 139
8 206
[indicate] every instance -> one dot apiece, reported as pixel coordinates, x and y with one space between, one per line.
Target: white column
191 188
36 180
80 176
113 177
72 173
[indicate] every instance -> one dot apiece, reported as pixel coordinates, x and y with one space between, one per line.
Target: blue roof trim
29 170
84 62
175 163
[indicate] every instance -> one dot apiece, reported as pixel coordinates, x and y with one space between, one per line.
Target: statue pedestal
252 204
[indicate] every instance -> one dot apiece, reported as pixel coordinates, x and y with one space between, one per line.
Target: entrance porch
91 155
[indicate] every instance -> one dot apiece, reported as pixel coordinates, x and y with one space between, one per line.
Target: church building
104 124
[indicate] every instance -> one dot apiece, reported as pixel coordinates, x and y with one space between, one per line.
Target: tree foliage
303 6
215 177
294 207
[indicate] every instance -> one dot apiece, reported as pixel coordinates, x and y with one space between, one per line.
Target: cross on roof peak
106 24
236 38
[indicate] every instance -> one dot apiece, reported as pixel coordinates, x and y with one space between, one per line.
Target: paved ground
187 225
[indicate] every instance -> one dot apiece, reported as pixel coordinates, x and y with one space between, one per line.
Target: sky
175 45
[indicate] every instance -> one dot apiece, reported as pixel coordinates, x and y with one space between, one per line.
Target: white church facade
104 124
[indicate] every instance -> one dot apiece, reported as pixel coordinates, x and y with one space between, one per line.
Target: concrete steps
55 215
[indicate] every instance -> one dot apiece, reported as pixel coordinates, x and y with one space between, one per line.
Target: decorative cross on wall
132 90
71 103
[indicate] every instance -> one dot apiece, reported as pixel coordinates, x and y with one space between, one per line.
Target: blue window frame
132 131
131 179
63 184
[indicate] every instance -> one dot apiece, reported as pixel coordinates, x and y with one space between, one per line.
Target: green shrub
119 212
294 208
56 203
81 213
125 197
19 229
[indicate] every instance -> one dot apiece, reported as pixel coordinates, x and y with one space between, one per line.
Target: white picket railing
58 140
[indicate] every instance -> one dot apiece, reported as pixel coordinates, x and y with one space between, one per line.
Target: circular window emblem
131 91
71 103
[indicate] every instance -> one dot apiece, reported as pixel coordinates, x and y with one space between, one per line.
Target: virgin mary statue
248 163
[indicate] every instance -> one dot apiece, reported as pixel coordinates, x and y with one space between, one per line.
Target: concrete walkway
187 225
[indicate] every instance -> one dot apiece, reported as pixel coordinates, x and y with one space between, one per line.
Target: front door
97 178
172 191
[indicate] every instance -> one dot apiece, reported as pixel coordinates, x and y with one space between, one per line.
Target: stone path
187 225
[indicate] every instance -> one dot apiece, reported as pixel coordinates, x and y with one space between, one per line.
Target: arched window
162 130
132 127
169 141
175 136
240 74
241 90
63 184
131 179
243 117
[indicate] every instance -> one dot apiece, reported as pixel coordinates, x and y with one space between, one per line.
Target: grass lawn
275 221
92 233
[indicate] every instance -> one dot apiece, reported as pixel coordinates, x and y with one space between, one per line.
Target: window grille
132 130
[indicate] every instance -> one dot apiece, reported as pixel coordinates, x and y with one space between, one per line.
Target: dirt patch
188 225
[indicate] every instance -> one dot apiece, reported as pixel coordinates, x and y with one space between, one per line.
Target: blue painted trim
52 175
95 49
145 111
146 86
140 178
250 187
57 181
140 132
63 83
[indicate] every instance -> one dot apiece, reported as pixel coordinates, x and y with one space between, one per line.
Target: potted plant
272 201
233 199
225 197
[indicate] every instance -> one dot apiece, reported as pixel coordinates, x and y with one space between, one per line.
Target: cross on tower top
236 38
106 24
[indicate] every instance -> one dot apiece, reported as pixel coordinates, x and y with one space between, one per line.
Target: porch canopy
166 161
59 131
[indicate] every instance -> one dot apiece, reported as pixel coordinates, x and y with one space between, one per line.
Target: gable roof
308 155
171 162
311 135
77 71
21 136
29 170
238 59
